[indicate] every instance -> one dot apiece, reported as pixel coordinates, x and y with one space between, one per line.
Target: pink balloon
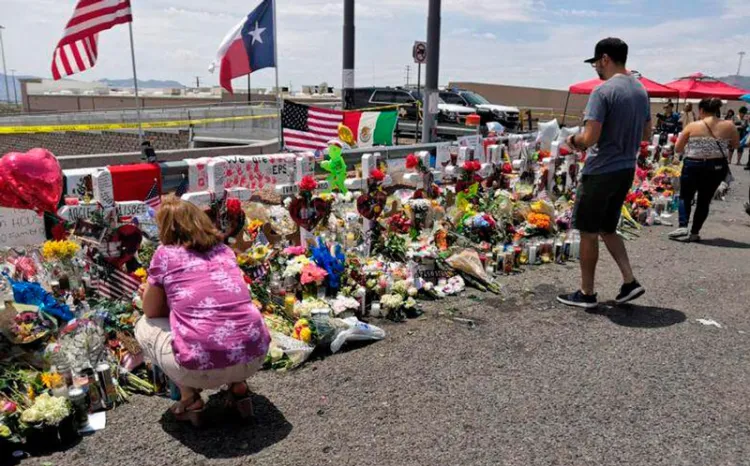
34 179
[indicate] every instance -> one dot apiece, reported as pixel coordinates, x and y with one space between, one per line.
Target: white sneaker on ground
679 233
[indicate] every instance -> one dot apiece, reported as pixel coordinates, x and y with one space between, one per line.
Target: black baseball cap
615 48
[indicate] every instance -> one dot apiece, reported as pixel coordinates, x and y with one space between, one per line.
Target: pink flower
295 250
9 407
311 273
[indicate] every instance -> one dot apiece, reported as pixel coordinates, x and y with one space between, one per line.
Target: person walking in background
742 128
729 116
617 119
688 115
707 144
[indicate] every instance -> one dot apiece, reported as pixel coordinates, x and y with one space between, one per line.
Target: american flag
77 50
309 128
113 283
153 198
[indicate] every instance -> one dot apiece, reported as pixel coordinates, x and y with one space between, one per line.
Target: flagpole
135 83
279 102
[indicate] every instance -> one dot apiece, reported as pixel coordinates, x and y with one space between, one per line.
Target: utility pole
407 75
197 82
5 72
739 66
433 70
13 82
347 73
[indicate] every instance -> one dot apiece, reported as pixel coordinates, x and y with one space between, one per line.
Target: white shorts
155 338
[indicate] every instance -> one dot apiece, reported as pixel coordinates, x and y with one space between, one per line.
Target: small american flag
78 49
153 198
309 128
113 283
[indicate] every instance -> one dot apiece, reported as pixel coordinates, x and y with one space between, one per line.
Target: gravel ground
530 382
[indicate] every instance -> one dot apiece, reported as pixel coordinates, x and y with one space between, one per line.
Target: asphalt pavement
511 380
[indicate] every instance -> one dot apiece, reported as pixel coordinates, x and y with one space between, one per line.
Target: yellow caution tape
113 126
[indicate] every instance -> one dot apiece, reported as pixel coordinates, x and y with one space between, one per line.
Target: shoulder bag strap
718 144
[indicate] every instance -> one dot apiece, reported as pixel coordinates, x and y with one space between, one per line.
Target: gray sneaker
679 233
693 238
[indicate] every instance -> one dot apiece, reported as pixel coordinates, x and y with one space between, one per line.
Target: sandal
182 411
242 403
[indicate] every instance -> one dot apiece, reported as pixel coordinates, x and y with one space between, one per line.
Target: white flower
294 266
410 303
428 286
391 301
287 201
401 287
412 291
342 304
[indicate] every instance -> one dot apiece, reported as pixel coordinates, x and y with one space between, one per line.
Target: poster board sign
20 227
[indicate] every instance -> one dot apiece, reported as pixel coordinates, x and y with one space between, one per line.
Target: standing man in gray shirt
616 120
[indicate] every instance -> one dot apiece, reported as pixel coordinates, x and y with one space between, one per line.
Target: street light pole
5 72
739 66
13 81
347 74
433 70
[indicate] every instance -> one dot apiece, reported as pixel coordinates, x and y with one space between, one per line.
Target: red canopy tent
653 88
698 85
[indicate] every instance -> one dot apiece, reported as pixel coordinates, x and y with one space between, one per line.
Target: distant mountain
743 82
148 84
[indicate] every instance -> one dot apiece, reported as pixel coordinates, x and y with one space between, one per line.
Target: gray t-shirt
621 105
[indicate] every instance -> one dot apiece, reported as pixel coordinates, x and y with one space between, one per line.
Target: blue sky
520 42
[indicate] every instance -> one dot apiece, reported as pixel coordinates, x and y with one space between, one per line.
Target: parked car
409 99
506 116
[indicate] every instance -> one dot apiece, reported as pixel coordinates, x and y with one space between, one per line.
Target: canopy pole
565 112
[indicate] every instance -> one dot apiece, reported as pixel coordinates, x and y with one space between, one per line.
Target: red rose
377 175
644 144
234 206
673 139
507 168
308 183
472 165
412 161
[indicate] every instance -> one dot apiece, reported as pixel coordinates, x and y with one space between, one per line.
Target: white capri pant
155 338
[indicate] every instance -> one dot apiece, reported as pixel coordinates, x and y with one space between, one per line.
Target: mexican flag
371 128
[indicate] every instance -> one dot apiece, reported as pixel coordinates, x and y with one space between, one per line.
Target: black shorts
599 201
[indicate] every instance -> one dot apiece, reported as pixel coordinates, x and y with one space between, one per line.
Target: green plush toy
336 167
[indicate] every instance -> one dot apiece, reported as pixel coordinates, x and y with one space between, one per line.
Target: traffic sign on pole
419 52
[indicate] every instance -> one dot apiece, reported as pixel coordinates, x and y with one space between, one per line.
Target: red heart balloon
370 206
307 213
8 197
34 178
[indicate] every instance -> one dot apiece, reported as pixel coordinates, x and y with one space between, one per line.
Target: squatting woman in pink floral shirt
200 325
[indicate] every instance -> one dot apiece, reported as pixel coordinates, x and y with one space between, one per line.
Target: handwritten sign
197 174
77 212
20 227
132 209
103 191
259 172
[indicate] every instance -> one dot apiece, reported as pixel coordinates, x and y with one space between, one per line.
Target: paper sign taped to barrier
197 173
258 172
20 227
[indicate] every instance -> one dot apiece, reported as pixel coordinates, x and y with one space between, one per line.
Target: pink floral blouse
214 322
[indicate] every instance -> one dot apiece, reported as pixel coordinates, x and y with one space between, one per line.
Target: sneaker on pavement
693 238
629 292
679 233
578 299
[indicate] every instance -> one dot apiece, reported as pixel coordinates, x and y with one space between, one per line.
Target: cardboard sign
19 227
83 211
131 209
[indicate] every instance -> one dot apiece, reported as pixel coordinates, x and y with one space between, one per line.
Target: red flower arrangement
472 165
399 223
412 161
377 175
307 183
234 206
507 168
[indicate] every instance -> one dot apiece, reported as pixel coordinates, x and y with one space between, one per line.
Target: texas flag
248 47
